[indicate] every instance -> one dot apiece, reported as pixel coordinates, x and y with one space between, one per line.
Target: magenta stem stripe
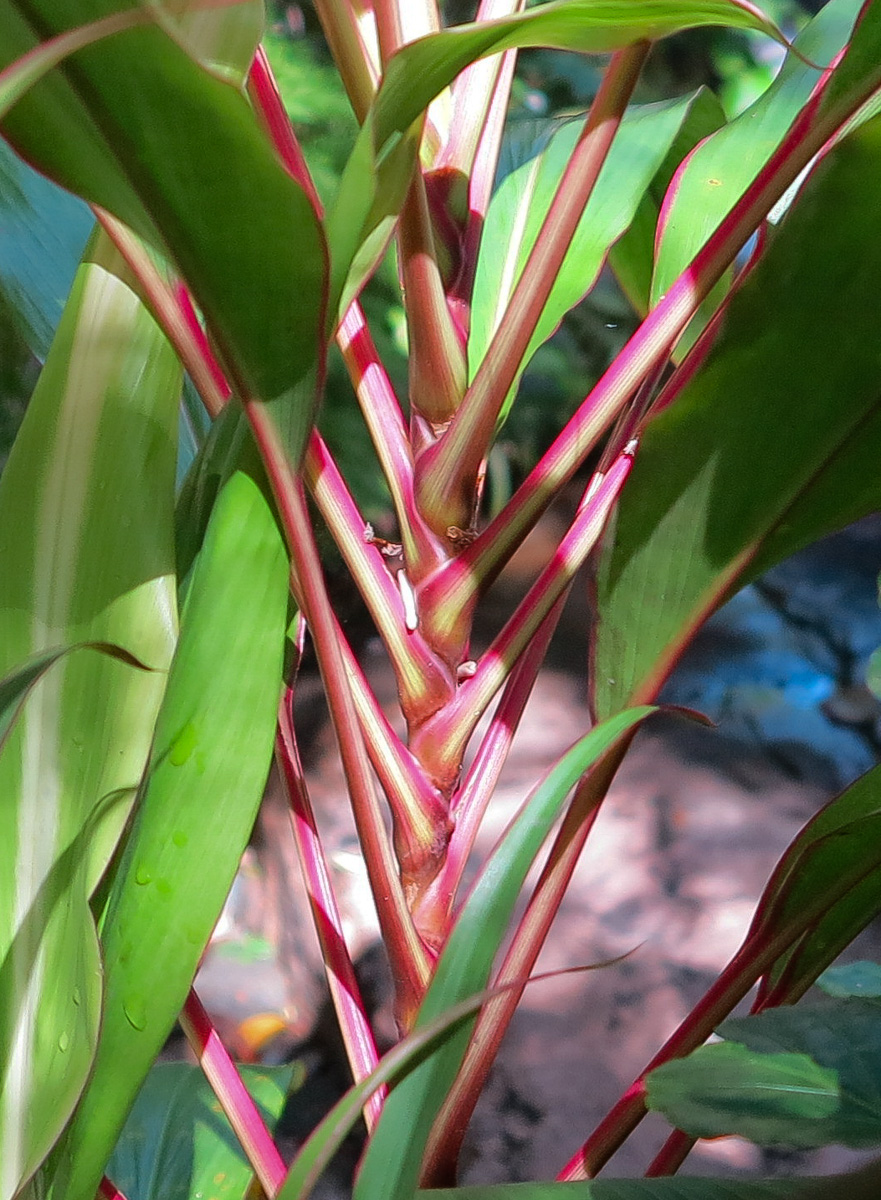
346 995
232 1095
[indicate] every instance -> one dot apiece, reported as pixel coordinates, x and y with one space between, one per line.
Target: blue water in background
782 666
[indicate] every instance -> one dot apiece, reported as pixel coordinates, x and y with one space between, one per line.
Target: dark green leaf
136 125
843 1036
177 1144
736 463
836 857
775 1098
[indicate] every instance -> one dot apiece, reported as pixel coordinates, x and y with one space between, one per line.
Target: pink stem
107 1190
232 1095
443 738
345 993
173 312
447 470
649 346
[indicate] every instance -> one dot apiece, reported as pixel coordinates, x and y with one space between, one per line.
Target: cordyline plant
150 635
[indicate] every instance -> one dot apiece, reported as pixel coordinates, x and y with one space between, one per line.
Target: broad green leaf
24 72
632 256
177 1144
391 1165
803 1076
738 463
852 979
376 179
15 687
836 855
87 552
777 1098
722 167
519 207
174 150
210 758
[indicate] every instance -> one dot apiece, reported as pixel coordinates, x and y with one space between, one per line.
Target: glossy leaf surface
740 466
841 844
801 1076
375 181
393 1159
207 771
772 1098
520 205
721 168
87 552
137 126
177 1144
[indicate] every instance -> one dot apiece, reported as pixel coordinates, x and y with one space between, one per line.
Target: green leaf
174 150
15 687
770 1098
632 256
391 1165
24 72
208 767
177 1143
520 205
87 553
806 1076
721 168
838 856
376 179
852 979
738 468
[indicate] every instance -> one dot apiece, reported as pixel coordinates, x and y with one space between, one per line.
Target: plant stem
756 956
409 959
356 59
173 312
475 793
441 741
341 981
232 1095
424 680
446 473
529 937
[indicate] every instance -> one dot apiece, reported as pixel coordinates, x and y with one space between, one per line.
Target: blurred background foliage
40 226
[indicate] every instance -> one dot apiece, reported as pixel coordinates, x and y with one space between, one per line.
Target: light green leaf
177 1144
520 205
778 1098
800 1076
390 1169
87 552
721 168
378 174
15 687
208 767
